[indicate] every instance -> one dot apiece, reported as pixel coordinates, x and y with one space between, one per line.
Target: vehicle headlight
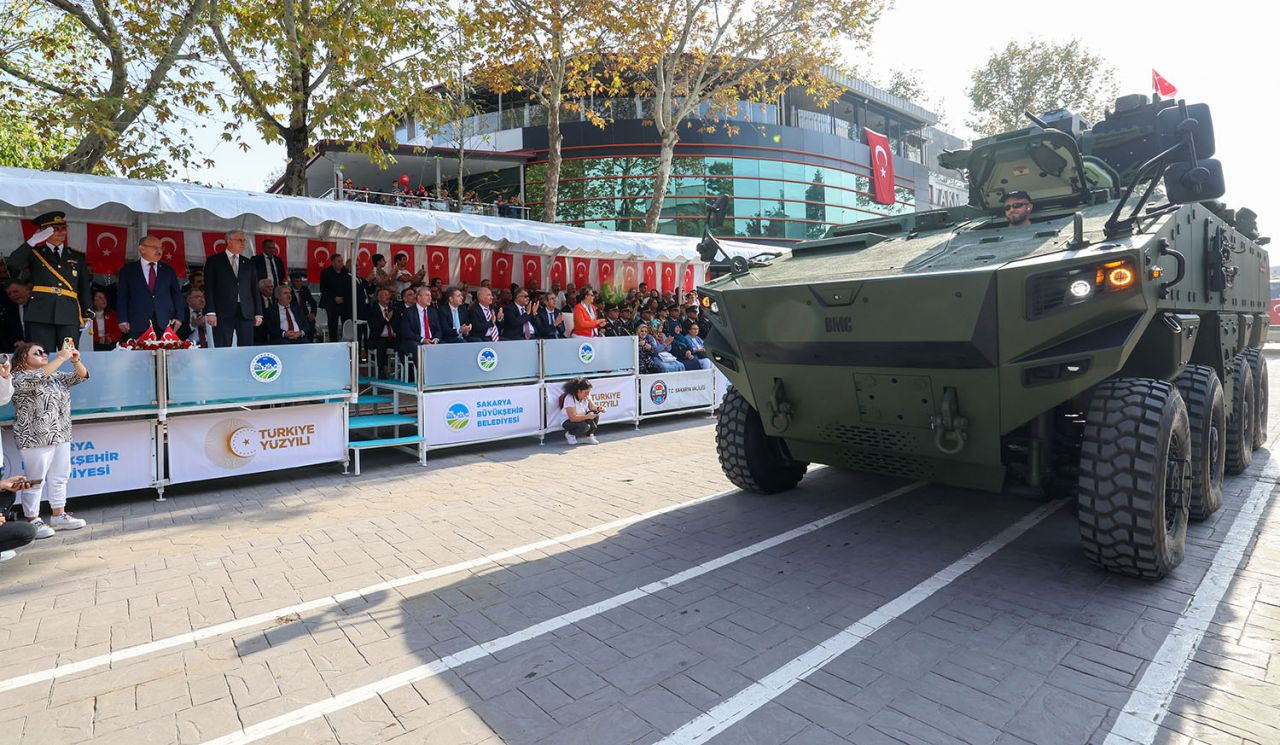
1055 291
710 304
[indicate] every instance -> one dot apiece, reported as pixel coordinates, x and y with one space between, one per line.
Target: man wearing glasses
1017 208
60 280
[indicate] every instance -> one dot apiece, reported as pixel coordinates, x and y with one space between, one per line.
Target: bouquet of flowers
149 340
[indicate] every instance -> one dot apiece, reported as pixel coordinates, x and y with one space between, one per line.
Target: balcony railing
413 201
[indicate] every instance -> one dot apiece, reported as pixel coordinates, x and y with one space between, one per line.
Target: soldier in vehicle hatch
1018 207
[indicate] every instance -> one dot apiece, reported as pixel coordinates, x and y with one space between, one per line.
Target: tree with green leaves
116 79
24 145
1038 76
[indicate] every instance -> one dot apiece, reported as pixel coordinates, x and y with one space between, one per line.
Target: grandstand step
385 442
370 421
399 385
370 399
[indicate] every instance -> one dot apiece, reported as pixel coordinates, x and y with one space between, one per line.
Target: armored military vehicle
1108 348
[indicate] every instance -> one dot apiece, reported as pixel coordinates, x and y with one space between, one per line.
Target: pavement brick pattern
1031 646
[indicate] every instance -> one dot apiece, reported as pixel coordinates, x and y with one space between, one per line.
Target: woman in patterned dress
42 430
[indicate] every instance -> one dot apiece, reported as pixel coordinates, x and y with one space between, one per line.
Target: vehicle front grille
869 437
892 465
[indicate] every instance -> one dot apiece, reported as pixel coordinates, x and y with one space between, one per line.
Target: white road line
269 617
377 688
737 707
1139 720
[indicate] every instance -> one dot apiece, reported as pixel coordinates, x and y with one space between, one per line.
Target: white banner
233 443
105 458
721 387
617 396
679 390
479 414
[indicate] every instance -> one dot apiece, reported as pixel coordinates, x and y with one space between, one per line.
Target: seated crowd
401 194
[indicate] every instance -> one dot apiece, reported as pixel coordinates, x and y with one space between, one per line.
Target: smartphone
68 344
4 359
32 484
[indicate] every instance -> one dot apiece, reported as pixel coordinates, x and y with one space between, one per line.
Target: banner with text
105 458
617 396
479 414
234 443
664 392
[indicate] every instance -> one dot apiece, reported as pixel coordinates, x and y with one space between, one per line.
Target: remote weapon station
1109 348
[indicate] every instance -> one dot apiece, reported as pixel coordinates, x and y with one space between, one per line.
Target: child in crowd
580 415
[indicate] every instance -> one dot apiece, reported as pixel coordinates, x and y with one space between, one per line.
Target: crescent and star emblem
881 158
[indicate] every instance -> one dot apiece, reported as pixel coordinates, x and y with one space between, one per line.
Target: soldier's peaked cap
50 219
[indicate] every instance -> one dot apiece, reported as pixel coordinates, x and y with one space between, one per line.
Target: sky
1216 57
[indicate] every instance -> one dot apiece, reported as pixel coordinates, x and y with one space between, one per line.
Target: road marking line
738 706
1139 720
269 617
377 688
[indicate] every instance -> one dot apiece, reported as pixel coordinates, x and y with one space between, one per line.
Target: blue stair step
399 385
385 442
370 399
380 420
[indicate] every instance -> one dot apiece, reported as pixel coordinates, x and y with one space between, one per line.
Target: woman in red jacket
106 330
585 322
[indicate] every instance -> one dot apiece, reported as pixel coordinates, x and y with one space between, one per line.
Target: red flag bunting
213 243
364 258
107 244
688 278
606 267
668 277
318 253
560 270
1162 86
532 264
282 244
630 275
581 272
500 270
881 167
469 269
650 275
402 248
438 263
174 245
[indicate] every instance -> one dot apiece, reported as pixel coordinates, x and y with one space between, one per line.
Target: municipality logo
658 392
487 359
586 353
265 367
457 416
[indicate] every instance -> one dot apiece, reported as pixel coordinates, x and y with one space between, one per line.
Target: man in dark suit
284 324
233 305
335 295
268 263
455 320
547 323
484 319
13 307
60 280
517 318
382 331
303 298
412 332
195 325
148 292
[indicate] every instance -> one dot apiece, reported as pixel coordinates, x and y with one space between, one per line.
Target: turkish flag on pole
688 278
106 247
438 263
282 246
606 267
500 270
532 264
560 270
469 270
403 248
213 243
630 275
174 245
668 277
581 272
650 275
881 167
1162 86
364 258
318 254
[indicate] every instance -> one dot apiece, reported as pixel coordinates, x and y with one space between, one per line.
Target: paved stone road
1030 645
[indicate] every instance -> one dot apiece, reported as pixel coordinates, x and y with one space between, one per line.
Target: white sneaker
591 440
66 521
570 439
42 530
6 555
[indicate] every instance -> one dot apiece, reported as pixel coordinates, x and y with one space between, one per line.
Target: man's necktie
457 322
288 319
493 329
426 327
204 340
151 276
386 327
235 265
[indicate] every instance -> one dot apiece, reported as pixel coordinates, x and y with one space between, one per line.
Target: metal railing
445 204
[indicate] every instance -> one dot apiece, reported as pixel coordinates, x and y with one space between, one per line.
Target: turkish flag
403 248
630 275
881 167
438 263
106 247
282 244
469 269
668 277
213 243
559 270
318 254
532 264
500 270
606 267
1162 86
688 278
174 245
364 259
581 272
650 275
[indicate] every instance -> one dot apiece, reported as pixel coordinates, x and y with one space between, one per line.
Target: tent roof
25 193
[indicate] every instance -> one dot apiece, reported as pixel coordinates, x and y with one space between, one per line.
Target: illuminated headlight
710 304
1080 289
1055 291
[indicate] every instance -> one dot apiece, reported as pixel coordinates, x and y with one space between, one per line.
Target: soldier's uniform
614 326
60 281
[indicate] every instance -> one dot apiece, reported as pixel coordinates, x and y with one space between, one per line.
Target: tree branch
238 71
19 74
71 9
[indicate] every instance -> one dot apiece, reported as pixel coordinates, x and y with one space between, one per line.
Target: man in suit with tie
147 292
517 318
284 324
335 294
412 329
195 325
268 263
547 323
14 307
382 319
234 307
484 319
60 280
455 320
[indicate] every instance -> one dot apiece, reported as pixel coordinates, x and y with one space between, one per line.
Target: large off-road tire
751 459
1207 419
1240 416
1258 365
1132 495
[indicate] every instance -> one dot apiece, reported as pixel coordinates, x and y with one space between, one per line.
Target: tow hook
780 409
950 430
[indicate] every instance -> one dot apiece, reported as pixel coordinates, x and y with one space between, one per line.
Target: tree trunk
551 185
661 179
86 156
294 181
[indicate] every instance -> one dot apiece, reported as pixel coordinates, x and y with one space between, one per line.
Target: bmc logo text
839 324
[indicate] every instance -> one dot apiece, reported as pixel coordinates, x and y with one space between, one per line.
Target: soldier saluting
60 279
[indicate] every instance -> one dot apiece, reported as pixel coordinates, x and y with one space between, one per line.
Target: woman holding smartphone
42 429
12 535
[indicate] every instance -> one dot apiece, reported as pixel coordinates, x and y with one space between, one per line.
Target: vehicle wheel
1133 490
751 459
1240 417
1207 420
1258 365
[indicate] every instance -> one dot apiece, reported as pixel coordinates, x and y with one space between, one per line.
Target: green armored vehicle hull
1107 349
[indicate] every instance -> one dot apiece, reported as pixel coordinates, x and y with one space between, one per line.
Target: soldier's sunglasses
1016 206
